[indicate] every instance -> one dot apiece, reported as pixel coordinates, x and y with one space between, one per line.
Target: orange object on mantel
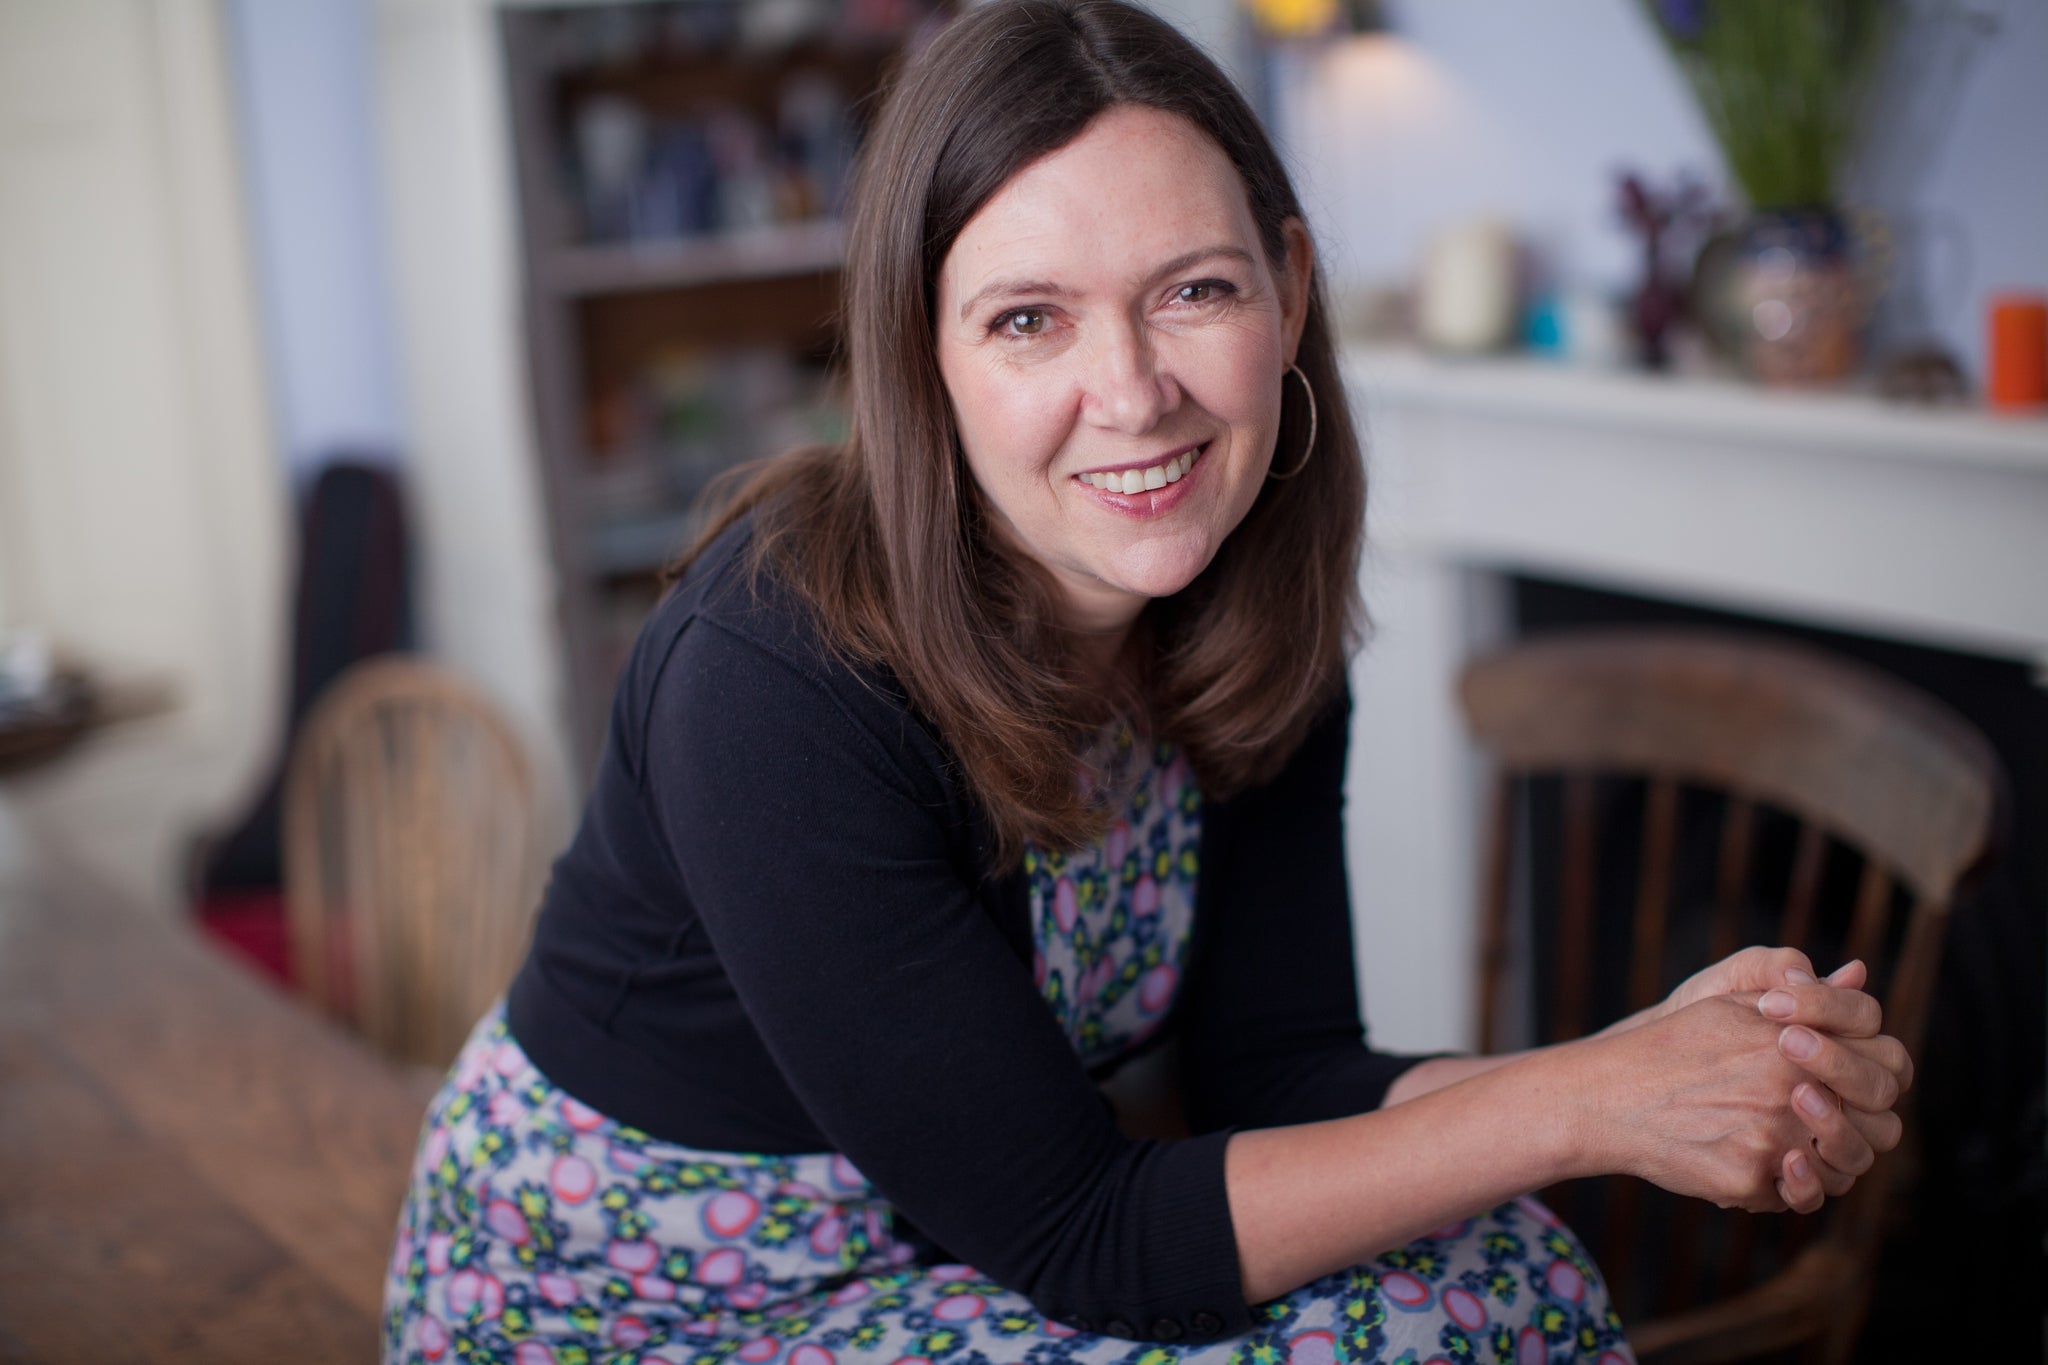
2016 372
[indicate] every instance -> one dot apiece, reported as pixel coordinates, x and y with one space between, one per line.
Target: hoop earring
1310 449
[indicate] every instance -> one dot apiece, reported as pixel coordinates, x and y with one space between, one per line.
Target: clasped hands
1720 1113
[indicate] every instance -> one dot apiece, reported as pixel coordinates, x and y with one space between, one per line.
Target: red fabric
250 923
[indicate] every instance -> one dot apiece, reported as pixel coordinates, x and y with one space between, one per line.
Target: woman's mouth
1148 479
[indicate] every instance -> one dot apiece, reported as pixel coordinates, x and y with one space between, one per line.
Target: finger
1784 964
1860 1070
1881 1130
1887 1052
1844 1012
1854 974
1838 1142
1798 1183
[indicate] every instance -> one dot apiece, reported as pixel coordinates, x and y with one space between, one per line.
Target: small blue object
1543 327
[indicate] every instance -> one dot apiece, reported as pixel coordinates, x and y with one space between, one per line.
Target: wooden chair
410 856
1760 746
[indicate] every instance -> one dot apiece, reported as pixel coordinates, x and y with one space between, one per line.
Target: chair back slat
1731 875
1794 743
1653 894
1873 912
1494 951
1573 1006
1802 893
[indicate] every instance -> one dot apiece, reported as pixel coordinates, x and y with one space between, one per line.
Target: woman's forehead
1137 188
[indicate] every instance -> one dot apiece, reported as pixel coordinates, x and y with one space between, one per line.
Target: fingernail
1811 1102
1777 1004
1799 1168
1797 977
1839 970
1798 1043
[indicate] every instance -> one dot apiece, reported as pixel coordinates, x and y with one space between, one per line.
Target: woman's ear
1295 274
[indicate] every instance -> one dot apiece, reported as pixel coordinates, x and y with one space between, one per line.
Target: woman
968 761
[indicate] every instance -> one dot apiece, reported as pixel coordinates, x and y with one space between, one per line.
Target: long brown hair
888 535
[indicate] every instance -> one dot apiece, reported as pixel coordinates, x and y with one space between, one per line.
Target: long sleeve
1272 1032
809 822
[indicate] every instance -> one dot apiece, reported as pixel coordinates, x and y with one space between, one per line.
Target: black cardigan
772 933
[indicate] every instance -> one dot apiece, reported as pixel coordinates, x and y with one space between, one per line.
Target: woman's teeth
1144 480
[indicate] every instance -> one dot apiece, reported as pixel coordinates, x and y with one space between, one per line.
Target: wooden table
192 1166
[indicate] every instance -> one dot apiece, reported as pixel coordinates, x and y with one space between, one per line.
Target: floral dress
538 1231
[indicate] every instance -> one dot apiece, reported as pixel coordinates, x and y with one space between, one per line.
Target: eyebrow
1049 289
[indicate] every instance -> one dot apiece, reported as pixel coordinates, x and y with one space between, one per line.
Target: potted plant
1782 83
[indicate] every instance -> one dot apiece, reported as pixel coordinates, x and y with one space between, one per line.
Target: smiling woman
1113 339
971 760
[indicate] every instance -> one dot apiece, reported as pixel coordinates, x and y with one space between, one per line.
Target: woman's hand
1698 1101
1831 1030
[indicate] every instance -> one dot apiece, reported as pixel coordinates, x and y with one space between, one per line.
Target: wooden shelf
770 253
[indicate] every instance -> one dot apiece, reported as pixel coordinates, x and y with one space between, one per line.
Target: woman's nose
1129 388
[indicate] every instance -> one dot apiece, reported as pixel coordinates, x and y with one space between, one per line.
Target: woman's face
1113 339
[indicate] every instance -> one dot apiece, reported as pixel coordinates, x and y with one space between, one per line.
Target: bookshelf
681 166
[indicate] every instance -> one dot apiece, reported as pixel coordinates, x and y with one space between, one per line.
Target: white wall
486 587
1527 111
304 98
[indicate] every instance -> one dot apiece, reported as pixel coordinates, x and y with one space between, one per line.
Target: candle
2017 366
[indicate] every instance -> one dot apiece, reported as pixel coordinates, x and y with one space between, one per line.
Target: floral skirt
537 1230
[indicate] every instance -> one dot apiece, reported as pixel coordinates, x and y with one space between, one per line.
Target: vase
1801 297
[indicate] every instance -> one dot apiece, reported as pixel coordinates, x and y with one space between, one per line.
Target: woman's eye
1204 291
1024 322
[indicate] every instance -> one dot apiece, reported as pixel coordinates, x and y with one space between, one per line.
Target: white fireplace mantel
1836 510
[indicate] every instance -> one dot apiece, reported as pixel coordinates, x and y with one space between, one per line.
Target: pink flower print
579 1115
1531 1349
503 1217
558 1289
1145 897
1566 1282
959 1308
532 1353
1312 1348
827 1234
437 1252
1465 1308
750 1295
1038 970
474 1062
721 1268
1117 845
852 1292
629 1332
508 1059
432 1338
572 1178
759 1351
846 1175
635 1257
1405 1290
730 1213
948 1273
1066 908
654 1288
1156 987
471 1291
506 1109
807 1354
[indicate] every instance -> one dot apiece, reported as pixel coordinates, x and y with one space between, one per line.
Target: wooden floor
192 1167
